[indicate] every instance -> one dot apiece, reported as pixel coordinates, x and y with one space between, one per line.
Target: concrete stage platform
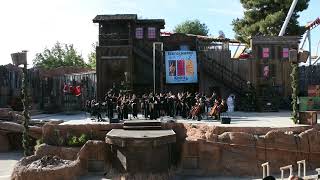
239 119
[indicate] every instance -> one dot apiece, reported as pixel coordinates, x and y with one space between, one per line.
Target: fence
46 92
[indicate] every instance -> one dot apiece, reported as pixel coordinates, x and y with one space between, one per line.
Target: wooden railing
113 39
146 52
114 52
223 75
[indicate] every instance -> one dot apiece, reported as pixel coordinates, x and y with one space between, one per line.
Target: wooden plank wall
308 75
244 68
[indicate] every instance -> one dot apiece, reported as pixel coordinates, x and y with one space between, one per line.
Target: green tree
192 27
265 17
92 56
60 55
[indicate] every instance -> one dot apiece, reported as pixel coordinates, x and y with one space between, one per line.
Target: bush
38 143
77 141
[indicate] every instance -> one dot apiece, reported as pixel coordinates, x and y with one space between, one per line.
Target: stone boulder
280 140
240 138
16 116
5 113
68 153
26 170
4 143
310 144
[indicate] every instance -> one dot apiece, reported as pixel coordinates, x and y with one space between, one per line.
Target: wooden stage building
125 61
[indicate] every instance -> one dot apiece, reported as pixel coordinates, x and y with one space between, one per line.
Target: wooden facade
270 71
124 54
124 60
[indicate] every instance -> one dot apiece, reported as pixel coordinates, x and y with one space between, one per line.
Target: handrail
303 162
235 81
264 165
284 168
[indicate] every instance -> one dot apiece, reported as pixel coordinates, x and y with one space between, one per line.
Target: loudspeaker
225 120
114 120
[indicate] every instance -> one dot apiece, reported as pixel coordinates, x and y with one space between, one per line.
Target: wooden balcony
113 39
114 52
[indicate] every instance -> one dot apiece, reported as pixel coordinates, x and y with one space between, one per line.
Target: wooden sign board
308 117
314 90
309 104
19 58
303 56
293 55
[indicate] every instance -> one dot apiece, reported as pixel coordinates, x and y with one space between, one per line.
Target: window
285 52
151 33
139 33
267 71
265 52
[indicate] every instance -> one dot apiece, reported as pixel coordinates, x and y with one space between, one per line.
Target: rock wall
241 154
202 149
56 134
4 143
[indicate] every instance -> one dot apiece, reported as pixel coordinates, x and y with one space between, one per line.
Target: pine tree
265 17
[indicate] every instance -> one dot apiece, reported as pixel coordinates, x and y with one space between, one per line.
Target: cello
214 110
195 110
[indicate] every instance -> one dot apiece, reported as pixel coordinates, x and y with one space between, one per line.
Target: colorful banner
181 67
314 90
309 104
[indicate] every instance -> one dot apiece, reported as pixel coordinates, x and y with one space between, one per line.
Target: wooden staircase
146 53
228 78
142 125
266 104
223 75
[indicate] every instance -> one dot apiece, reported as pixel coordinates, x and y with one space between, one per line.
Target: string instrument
195 110
214 110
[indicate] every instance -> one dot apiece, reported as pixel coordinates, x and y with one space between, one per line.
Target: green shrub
77 141
38 143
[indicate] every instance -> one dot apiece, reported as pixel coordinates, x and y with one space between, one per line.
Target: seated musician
215 109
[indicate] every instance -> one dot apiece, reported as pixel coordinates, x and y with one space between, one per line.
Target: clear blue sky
36 24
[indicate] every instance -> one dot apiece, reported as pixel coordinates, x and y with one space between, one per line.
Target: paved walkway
239 119
7 162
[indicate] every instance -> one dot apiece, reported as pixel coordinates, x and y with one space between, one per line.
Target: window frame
139 34
153 33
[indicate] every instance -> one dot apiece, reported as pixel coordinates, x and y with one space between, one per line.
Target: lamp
18 59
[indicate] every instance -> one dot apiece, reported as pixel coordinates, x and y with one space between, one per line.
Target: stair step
142 123
142 127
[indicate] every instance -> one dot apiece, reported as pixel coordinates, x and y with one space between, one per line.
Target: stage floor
238 119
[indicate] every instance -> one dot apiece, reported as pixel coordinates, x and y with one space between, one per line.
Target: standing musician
119 107
145 103
134 106
125 106
152 102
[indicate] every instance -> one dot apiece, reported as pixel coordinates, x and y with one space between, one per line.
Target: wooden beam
113 57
